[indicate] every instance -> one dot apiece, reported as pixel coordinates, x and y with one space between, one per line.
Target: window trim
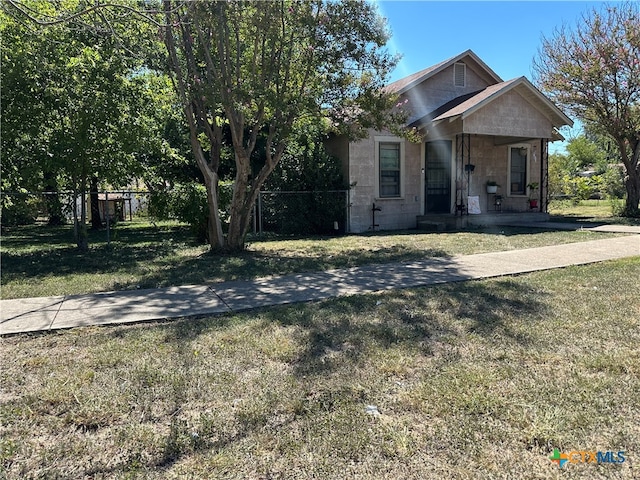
390 139
527 173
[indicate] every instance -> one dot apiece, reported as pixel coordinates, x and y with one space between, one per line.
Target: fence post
254 211
260 212
347 196
106 201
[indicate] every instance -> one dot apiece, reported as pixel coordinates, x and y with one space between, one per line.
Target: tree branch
31 14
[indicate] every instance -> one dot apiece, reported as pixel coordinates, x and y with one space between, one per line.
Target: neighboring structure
477 129
119 205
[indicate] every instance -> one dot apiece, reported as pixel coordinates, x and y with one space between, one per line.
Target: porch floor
446 221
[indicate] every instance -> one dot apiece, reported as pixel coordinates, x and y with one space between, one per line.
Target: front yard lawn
42 261
475 380
598 211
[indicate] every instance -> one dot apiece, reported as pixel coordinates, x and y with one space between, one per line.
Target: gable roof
406 83
470 105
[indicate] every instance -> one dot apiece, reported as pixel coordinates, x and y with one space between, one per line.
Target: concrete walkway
51 313
586 226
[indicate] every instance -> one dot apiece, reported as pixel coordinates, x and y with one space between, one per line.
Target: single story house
477 129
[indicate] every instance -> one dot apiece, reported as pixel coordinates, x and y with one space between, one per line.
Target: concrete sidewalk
586 226
51 313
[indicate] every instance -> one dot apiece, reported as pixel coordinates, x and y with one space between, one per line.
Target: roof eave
556 136
561 118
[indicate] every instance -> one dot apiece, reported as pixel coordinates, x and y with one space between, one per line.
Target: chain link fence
22 208
302 213
282 212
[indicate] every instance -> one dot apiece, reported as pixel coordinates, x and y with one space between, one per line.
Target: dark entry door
438 177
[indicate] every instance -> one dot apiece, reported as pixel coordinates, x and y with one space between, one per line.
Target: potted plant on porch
492 186
533 200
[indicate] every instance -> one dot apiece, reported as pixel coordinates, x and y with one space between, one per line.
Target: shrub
303 212
613 182
617 206
22 210
578 188
187 202
306 189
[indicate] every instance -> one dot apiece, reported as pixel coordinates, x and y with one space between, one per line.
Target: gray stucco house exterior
477 128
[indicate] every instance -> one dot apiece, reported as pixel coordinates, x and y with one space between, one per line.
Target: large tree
594 70
259 68
26 163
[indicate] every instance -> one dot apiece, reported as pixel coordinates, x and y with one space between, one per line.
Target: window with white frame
389 169
518 170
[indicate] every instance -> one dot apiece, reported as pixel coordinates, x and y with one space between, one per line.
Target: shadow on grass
145 256
152 257
40 236
34 251
342 331
342 335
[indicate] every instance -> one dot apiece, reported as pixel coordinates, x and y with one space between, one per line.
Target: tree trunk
96 221
632 184
245 197
632 176
214 224
80 224
83 236
75 216
239 223
54 205
235 237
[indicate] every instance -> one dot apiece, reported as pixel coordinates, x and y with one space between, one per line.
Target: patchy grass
481 379
597 211
42 261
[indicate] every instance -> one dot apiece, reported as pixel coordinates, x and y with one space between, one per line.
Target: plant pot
492 188
533 204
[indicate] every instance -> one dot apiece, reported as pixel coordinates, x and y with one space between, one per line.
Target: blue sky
505 34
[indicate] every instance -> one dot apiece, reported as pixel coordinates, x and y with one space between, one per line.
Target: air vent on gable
459 74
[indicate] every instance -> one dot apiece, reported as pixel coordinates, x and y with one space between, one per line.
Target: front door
438 177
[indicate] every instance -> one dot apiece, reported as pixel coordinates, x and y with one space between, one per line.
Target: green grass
474 380
42 261
598 211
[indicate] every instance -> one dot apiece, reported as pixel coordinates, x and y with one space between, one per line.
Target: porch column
544 175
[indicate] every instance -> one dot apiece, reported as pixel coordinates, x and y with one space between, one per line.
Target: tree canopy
248 75
79 107
259 69
594 70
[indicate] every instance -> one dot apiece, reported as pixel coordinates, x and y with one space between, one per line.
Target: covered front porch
473 174
486 156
